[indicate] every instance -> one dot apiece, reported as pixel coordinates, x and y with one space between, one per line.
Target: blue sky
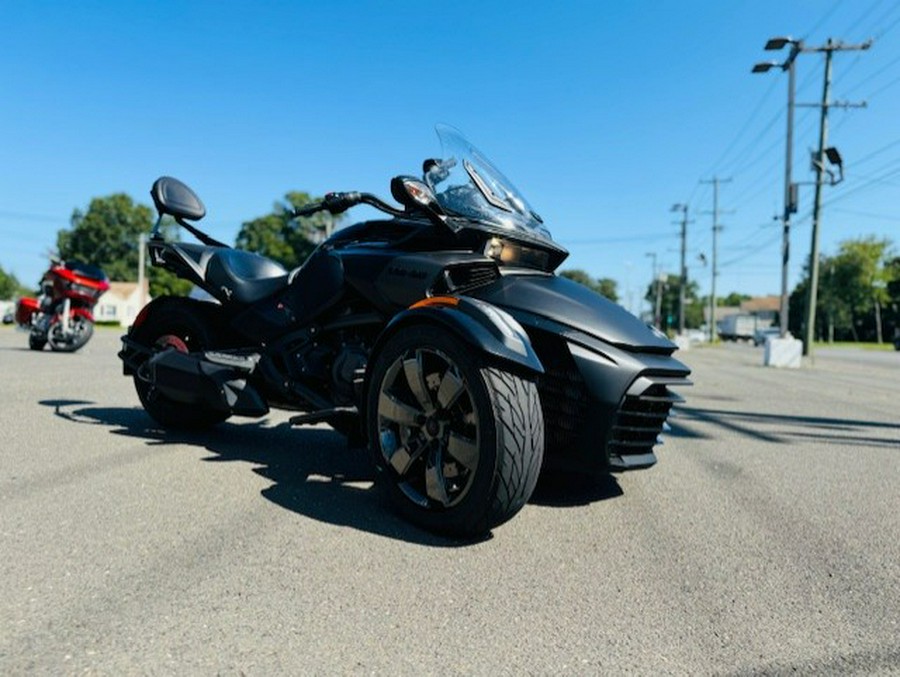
604 115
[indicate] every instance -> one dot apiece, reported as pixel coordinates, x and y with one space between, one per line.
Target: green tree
107 235
892 314
863 265
604 286
855 288
832 308
733 299
10 287
281 236
669 300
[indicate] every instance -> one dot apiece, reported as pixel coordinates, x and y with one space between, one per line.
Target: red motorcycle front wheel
80 331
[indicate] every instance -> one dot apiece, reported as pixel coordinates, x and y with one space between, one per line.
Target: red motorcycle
61 315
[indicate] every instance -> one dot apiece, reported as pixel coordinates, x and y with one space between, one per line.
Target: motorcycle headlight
82 289
514 254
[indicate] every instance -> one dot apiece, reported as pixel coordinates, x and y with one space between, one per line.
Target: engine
348 371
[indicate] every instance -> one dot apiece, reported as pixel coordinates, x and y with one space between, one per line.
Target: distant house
764 306
122 302
721 312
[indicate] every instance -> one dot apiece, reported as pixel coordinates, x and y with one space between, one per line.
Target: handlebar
337 203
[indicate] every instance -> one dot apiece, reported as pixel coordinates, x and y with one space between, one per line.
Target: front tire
458 438
174 326
81 330
36 341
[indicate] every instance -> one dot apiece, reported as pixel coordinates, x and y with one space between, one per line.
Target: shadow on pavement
313 472
558 489
692 422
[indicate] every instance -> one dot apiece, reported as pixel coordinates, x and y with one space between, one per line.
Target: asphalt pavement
765 541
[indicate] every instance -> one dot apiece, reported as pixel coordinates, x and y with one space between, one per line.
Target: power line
873 75
824 18
744 127
845 194
765 245
879 21
866 13
878 151
872 215
615 240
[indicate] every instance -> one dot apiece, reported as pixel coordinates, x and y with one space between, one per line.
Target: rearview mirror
415 194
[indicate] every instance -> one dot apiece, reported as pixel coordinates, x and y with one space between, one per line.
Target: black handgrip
308 210
337 203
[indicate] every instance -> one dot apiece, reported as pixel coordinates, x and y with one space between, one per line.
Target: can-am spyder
440 336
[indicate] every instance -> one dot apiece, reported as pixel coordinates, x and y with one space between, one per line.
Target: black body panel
574 305
604 406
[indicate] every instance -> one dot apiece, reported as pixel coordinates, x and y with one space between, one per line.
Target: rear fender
134 354
483 326
209 312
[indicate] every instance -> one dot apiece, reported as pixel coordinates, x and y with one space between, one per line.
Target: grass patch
852 344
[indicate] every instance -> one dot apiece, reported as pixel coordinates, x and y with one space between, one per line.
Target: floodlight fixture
775 44
765 67
834 157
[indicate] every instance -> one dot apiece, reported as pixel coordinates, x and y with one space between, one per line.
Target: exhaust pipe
214 380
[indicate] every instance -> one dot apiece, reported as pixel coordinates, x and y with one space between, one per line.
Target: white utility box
783 352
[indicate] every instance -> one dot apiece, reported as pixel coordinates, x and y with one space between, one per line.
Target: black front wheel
457 437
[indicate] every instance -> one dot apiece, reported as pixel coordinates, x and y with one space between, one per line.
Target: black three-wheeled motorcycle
439 336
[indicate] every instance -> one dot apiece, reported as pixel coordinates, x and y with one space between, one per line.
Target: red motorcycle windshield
466 183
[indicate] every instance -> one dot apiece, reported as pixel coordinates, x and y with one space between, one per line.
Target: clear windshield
467 184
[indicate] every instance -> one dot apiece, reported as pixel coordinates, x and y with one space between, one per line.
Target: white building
122 302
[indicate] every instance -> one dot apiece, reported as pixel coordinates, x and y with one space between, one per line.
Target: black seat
244 277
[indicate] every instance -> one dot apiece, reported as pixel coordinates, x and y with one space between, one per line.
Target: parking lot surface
766 539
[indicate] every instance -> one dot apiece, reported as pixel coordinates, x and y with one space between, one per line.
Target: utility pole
142 248
681 292
656 280
829 49
790 189
716 227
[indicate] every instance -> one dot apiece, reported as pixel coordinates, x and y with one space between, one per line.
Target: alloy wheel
428 433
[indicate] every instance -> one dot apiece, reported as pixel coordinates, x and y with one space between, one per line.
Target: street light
790 201
833 157
774 44
765 66
790 189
